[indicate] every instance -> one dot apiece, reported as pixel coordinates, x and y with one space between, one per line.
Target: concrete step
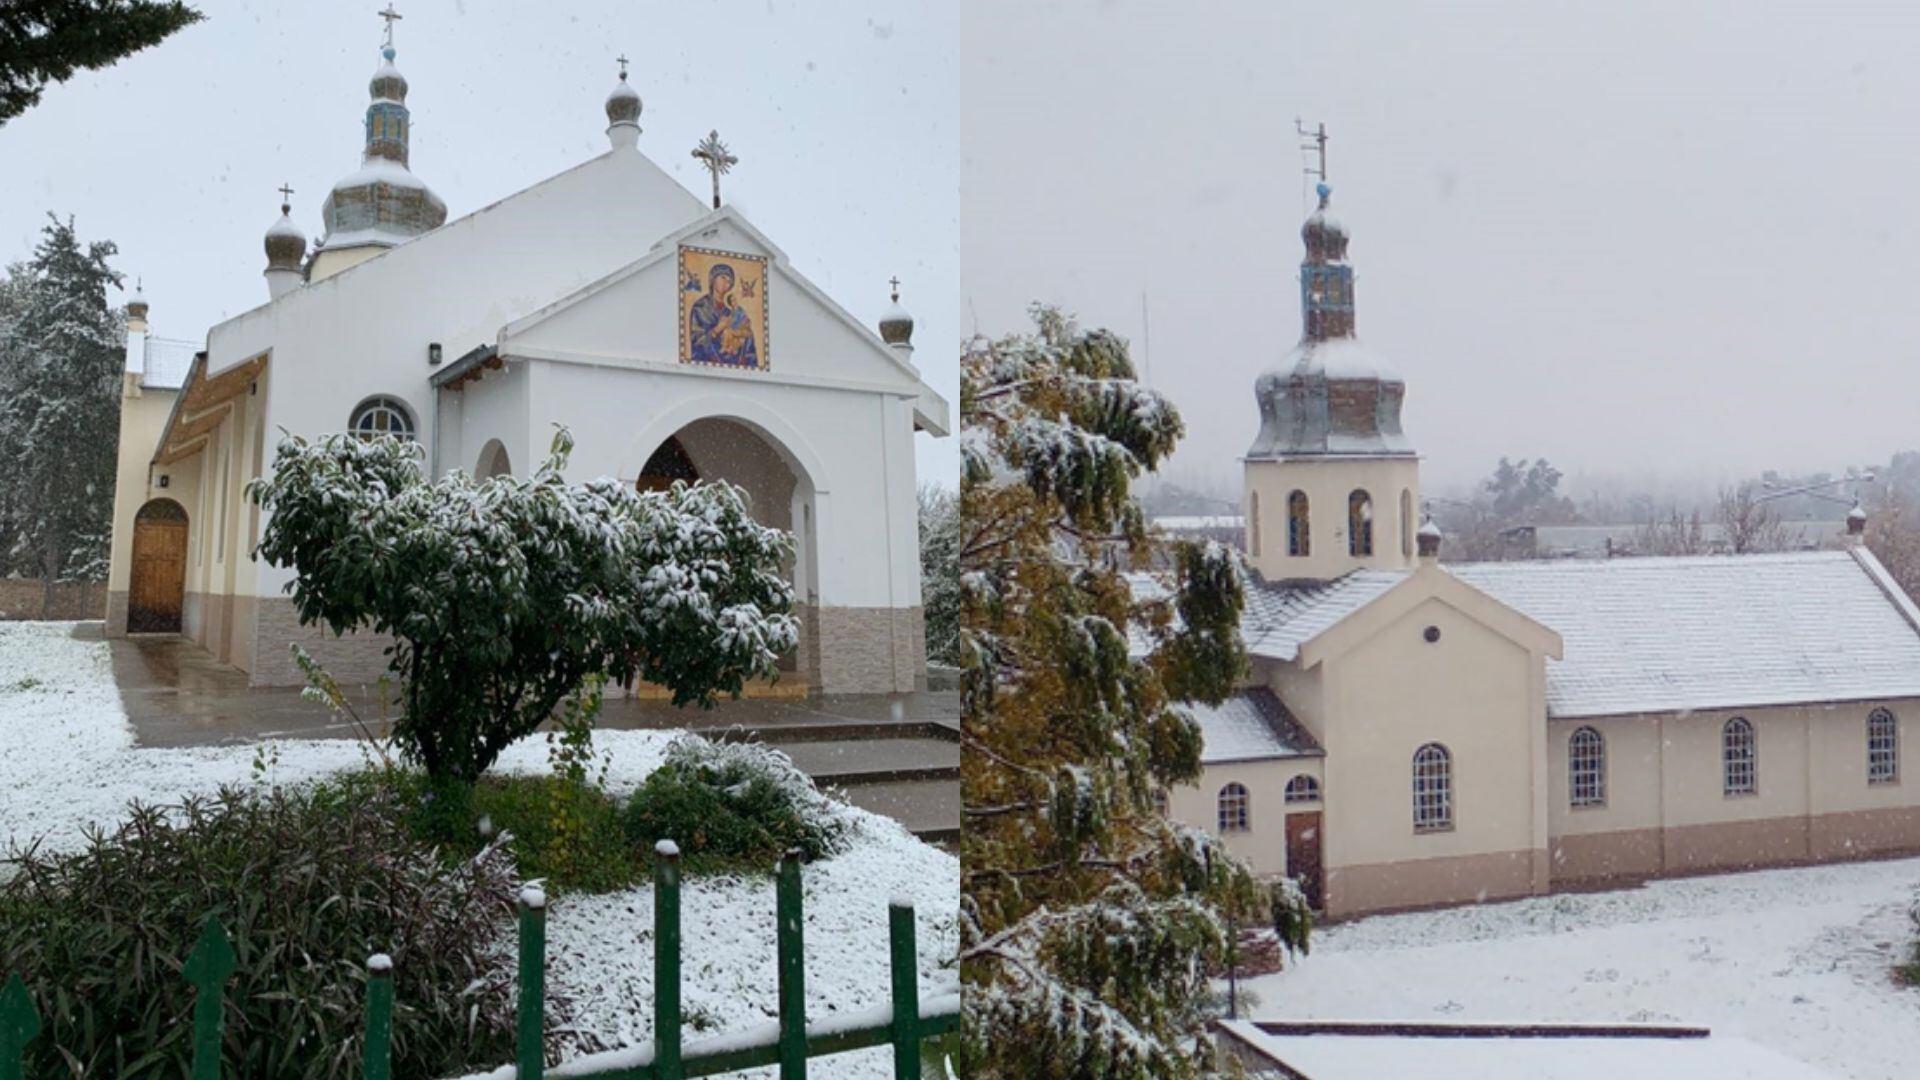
930 809
860 762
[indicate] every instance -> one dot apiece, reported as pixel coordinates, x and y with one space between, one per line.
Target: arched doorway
493 461
159 585
780 491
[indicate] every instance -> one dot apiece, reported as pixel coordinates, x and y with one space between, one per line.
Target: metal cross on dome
713 154
895 282
390 15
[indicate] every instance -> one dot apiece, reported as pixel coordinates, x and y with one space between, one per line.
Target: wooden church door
1303 854
159 585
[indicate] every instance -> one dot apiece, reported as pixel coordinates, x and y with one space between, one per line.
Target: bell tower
1332 484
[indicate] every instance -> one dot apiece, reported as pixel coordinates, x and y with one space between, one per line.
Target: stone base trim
1637 854
117 614
870 650
353 659
1374 888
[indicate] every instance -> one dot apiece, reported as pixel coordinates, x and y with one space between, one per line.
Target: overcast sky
844 116
1637 238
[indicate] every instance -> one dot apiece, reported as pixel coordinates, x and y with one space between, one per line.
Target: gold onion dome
286 244
623 104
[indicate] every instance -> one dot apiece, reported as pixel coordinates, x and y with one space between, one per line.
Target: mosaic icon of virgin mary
721 324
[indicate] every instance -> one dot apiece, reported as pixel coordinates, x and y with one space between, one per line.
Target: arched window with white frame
1299 538
1883 747
381 416
1359 524
1253 523
1235 813
1586 769
1432 789
1739 757
1303 789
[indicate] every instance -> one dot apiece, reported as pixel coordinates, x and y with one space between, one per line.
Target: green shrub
732 806
564 832
308 883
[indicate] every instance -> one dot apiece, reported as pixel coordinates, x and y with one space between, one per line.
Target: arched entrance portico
157 591
782 495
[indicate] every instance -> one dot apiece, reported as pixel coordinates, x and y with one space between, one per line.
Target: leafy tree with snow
1090 923
46 41
61 354
503 596
940 572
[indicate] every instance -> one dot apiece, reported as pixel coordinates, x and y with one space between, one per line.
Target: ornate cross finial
623 66
895 282
286 197
713 154
1313 141
390 15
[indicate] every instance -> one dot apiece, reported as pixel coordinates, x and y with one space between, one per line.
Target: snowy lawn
67 759
1797 960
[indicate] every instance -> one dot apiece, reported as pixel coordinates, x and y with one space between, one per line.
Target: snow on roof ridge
1584 562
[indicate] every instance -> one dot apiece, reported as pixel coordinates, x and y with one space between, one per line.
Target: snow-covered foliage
503 595
940 572
61 354
1089 922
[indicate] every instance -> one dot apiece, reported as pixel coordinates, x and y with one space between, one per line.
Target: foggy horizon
1641 242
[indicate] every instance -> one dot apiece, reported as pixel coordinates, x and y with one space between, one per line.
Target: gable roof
1715 631
1251 725
1282 616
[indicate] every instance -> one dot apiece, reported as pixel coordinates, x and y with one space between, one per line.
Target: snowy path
1796 960
67 758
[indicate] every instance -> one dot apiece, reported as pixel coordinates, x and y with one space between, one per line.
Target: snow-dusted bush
733 806
308 884
940 572
504 595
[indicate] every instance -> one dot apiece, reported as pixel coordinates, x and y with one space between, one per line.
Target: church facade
1416 735
674 339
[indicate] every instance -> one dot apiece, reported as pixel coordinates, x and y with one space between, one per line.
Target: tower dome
382 204
1329 396
286 245
896 325
623 111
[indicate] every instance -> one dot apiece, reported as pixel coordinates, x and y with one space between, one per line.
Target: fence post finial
208 967
19 1024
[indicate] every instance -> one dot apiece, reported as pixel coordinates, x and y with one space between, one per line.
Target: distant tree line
62 351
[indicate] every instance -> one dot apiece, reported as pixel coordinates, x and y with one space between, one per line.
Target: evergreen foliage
504 596
46 41
1090 922
940 572
62 351
308 884
732 807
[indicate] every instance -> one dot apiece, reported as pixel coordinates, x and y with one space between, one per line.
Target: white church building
673 338
1414 734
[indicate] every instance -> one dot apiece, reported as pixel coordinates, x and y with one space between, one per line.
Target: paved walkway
894 754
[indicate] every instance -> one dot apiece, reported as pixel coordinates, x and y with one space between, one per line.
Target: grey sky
1638 238
844 116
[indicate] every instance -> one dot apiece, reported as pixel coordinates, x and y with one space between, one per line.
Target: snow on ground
1797 960
67 759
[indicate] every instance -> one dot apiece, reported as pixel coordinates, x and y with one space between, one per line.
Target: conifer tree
61 355
46 41
1090 923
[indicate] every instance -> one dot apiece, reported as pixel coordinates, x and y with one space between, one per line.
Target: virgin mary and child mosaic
723 309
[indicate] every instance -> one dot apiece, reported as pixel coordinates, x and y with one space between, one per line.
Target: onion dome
623 104
896 326
286 244
382 203
1856 520
1429 537
1329 396
137 307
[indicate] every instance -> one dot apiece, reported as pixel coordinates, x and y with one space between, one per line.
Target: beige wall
1328 482
1263 846
143 414
1667 812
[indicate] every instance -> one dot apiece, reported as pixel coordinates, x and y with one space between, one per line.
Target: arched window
1406 522
1235 816
1432 788
381 416
1359 523
1739 757
1586 768
1303 788
1253 523
1299 541
1883 748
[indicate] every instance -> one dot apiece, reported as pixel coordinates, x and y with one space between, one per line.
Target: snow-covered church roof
1649 635
166 362
1252 725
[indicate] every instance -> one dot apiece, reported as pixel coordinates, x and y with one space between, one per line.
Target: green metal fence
906 1023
